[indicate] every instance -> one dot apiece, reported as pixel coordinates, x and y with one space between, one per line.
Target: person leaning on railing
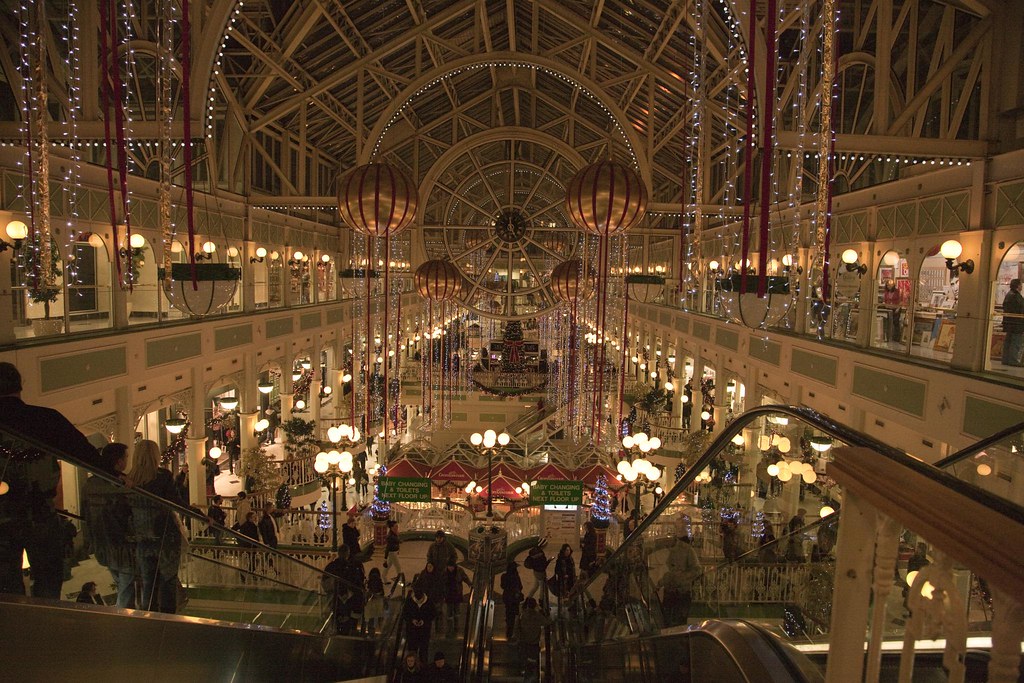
28 521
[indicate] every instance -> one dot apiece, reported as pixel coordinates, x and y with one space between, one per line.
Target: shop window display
934 325
893 291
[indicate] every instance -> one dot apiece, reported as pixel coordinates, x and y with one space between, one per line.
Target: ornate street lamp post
489 442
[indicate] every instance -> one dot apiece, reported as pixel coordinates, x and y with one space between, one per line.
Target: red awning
452 472
504 487
550 471
588 475
407 468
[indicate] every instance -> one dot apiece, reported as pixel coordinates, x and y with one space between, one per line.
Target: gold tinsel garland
41 209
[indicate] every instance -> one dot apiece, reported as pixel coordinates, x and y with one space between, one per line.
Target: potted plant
46 325
44 292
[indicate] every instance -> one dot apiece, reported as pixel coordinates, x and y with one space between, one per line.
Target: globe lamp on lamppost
333 466
636 470
489 442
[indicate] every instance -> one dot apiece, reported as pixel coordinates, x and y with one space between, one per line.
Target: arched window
892 287
934 327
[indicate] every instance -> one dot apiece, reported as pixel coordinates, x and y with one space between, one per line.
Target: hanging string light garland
378 201
604 199
826 143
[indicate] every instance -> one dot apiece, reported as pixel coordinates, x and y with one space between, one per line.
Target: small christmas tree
259 471
324 521
300 440
380 509
601 510
512 356
283 498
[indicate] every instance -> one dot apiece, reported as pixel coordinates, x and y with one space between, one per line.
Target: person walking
268 525
529 632
218 518
430 582
158 532
419 614
108 524
373 613
392 559
537 562
453 578
29 524
350 535
441 551
511 595
588 549
242 507
565 571
683 568
249 529
1013 325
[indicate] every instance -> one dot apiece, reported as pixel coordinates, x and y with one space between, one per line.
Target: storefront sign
556 492
404 489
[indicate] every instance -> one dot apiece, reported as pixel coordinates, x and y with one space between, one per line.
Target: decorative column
285 392
248 269
195 452
886 548
246 426
1007 625
124 431
851 593
314 405
118 302
338 391
6 302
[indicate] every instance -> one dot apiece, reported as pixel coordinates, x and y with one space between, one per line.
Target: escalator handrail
813 418
978 446
472 658
7 432
833 429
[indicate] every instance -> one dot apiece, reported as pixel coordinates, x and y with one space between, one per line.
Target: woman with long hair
157 530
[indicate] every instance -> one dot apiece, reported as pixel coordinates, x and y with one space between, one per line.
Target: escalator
763 610
245 611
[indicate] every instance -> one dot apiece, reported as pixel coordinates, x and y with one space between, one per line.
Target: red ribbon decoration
186 112
767 155
122 148
748 156
106 59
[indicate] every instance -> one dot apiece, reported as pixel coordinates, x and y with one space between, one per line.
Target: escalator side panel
61 641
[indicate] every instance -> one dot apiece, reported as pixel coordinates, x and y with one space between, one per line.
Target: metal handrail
974 448
10 433
820 422
833 429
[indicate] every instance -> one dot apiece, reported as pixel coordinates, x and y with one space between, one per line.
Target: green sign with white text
404 489
556 492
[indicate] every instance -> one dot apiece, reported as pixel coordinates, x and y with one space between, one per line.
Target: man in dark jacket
419 614
350 536
1013 325
530 630
346 580
28 522
440 672
268 525
440 552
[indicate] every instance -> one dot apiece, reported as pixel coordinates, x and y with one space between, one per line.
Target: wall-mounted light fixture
209 248
17 231
135 243
951 250
850 258
261 255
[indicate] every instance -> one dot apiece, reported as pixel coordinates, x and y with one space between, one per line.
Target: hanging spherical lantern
568 282
438 280
377 200
606 198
